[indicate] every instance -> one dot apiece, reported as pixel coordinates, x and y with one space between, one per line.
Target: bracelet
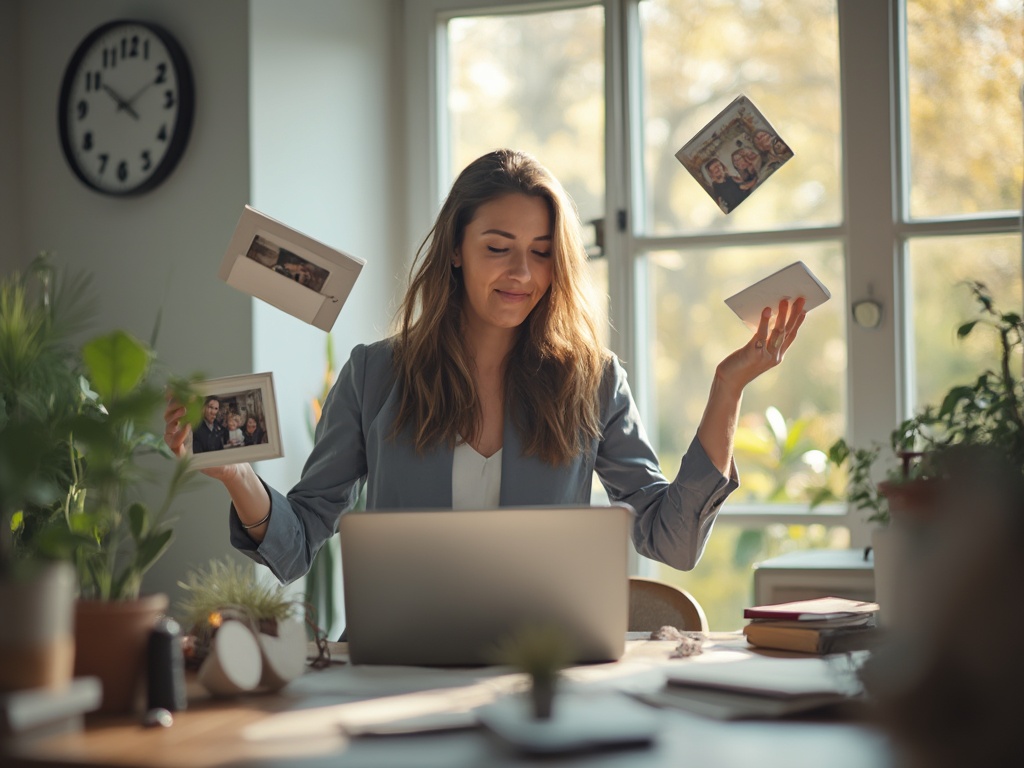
255 525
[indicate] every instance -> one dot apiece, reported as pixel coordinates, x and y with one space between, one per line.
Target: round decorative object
126 106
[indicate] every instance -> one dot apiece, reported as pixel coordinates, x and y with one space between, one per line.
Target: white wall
325 148
13 254
293 114
162 249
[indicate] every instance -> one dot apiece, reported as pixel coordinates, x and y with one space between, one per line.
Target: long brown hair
555 366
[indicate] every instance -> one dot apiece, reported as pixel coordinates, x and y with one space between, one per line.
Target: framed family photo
238 421
734 154
293 272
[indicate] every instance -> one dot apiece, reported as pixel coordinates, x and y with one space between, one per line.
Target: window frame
874 230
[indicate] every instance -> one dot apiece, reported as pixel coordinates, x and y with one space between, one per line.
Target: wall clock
125 110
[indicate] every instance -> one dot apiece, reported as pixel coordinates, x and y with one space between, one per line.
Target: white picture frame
289 270
749 149
248 395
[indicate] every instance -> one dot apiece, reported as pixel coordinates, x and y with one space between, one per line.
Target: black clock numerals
147 163
103 162
87 141
162 133
82 109
161 74
92 81
129 48
169 100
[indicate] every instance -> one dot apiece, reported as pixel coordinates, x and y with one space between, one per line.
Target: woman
496 391
252 434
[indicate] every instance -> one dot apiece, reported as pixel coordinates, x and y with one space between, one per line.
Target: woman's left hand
766 349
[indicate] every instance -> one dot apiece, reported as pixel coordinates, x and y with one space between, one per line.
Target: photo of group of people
286 263
222 424
238 421
277 264
734 154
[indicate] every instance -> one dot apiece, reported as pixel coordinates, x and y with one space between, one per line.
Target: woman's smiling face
506 260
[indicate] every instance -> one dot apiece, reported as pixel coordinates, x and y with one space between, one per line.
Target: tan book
821 640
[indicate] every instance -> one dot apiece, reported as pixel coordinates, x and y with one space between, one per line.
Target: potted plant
542 652
38 392
83 504
987 412
266 647
983 416
115 537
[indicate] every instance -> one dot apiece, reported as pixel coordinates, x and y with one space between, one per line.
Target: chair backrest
655 604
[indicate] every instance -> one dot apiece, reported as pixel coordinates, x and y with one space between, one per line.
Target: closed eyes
503 251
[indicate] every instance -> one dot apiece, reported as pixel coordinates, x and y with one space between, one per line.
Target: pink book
811 610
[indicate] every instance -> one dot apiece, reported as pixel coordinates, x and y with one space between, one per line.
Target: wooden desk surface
300 726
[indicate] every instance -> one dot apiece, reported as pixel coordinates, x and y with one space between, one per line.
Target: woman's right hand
177 433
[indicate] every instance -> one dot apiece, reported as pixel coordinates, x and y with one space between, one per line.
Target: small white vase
284 656
234 664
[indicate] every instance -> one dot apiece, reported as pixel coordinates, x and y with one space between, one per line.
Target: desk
298 726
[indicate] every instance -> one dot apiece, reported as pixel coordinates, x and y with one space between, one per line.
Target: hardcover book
814 609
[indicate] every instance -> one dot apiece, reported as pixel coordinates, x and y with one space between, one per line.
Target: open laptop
444 587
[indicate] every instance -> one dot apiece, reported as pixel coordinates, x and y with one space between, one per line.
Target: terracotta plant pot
37 647
111 638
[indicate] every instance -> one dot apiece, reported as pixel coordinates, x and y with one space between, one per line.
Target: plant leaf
138 520
116 363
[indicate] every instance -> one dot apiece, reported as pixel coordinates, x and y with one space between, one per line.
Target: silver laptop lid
444 587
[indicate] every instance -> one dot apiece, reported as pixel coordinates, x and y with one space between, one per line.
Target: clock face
126 107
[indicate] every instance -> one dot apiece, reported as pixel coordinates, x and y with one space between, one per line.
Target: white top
476 480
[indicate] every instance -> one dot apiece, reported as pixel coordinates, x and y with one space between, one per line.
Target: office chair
654 604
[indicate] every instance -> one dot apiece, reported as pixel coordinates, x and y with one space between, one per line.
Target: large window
905 121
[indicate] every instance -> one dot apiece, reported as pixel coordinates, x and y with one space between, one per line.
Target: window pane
533 82
697 56
966 64
789 414
937 267
723 581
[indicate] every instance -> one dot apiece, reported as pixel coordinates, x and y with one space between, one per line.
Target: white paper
789 283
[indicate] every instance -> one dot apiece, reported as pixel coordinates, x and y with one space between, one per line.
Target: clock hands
138 93
121 103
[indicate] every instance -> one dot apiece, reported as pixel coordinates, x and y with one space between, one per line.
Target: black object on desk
165 678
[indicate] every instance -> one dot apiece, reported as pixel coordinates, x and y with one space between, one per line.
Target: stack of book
822 625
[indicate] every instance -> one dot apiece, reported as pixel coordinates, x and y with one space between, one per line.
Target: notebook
445 587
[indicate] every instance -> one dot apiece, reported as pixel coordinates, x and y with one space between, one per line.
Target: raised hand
765 350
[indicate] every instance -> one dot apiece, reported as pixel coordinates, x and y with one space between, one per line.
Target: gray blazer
352 448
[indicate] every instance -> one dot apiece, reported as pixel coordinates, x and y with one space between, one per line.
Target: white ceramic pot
37 643
284 656
886 551
234 664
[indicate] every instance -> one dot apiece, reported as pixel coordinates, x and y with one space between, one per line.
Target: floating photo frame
292 271
734 154
241 426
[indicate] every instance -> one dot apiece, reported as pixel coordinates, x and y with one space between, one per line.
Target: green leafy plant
987 413
116 536
40 391
73 434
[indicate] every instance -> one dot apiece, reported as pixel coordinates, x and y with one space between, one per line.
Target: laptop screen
445 587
